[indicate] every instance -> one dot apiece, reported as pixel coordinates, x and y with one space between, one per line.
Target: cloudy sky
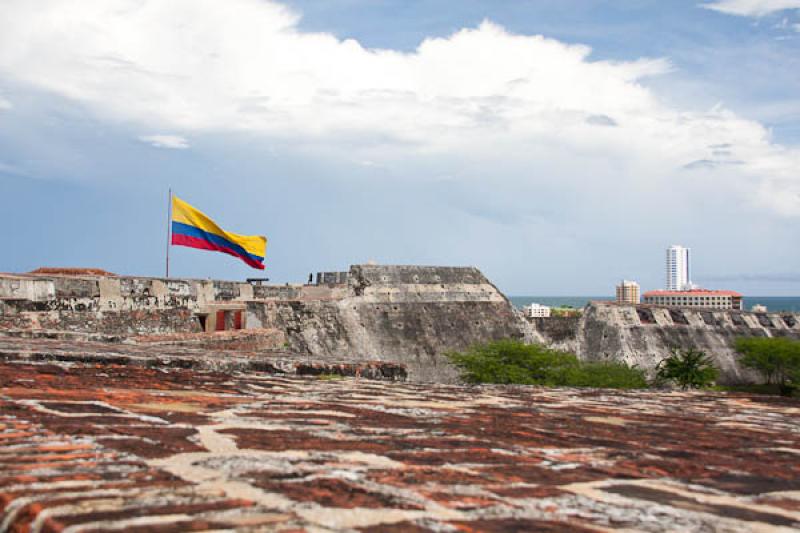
558 145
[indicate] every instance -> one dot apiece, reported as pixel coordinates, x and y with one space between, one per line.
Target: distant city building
695 298
678 278
535 310
628 292
758 308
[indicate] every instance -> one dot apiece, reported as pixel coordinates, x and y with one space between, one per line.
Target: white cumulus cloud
506 103
175 142
4 104
751 8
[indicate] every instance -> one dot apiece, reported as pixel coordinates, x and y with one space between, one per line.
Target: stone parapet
643 334
406 314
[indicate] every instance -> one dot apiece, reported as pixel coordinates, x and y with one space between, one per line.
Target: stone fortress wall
411 315
408 314
643 335
111 305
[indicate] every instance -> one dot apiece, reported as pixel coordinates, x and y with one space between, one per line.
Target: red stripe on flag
202 244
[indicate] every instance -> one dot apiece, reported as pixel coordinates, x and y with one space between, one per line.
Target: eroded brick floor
104 447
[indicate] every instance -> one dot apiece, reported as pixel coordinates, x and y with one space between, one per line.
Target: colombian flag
192 228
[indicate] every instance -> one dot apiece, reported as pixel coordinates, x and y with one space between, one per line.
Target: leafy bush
687 368
777 359
606 376
512 362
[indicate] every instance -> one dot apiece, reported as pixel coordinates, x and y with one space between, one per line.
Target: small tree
776 358
687 368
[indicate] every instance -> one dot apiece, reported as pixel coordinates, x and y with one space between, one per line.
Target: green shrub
777 359
607 376
687 368
512 362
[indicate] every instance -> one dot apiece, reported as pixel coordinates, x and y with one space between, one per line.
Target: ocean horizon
773 303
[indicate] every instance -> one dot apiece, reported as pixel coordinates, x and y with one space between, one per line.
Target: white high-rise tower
678 268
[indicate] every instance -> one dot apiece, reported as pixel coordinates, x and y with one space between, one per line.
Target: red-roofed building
695 298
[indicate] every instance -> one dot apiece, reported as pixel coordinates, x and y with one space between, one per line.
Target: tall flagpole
169 223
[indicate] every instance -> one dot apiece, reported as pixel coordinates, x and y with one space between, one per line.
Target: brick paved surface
98 446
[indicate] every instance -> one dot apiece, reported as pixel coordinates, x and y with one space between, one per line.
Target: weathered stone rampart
397 313
643 335
406 314
128 305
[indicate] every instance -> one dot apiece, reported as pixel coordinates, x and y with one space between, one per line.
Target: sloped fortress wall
408 314
643 335
405 314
